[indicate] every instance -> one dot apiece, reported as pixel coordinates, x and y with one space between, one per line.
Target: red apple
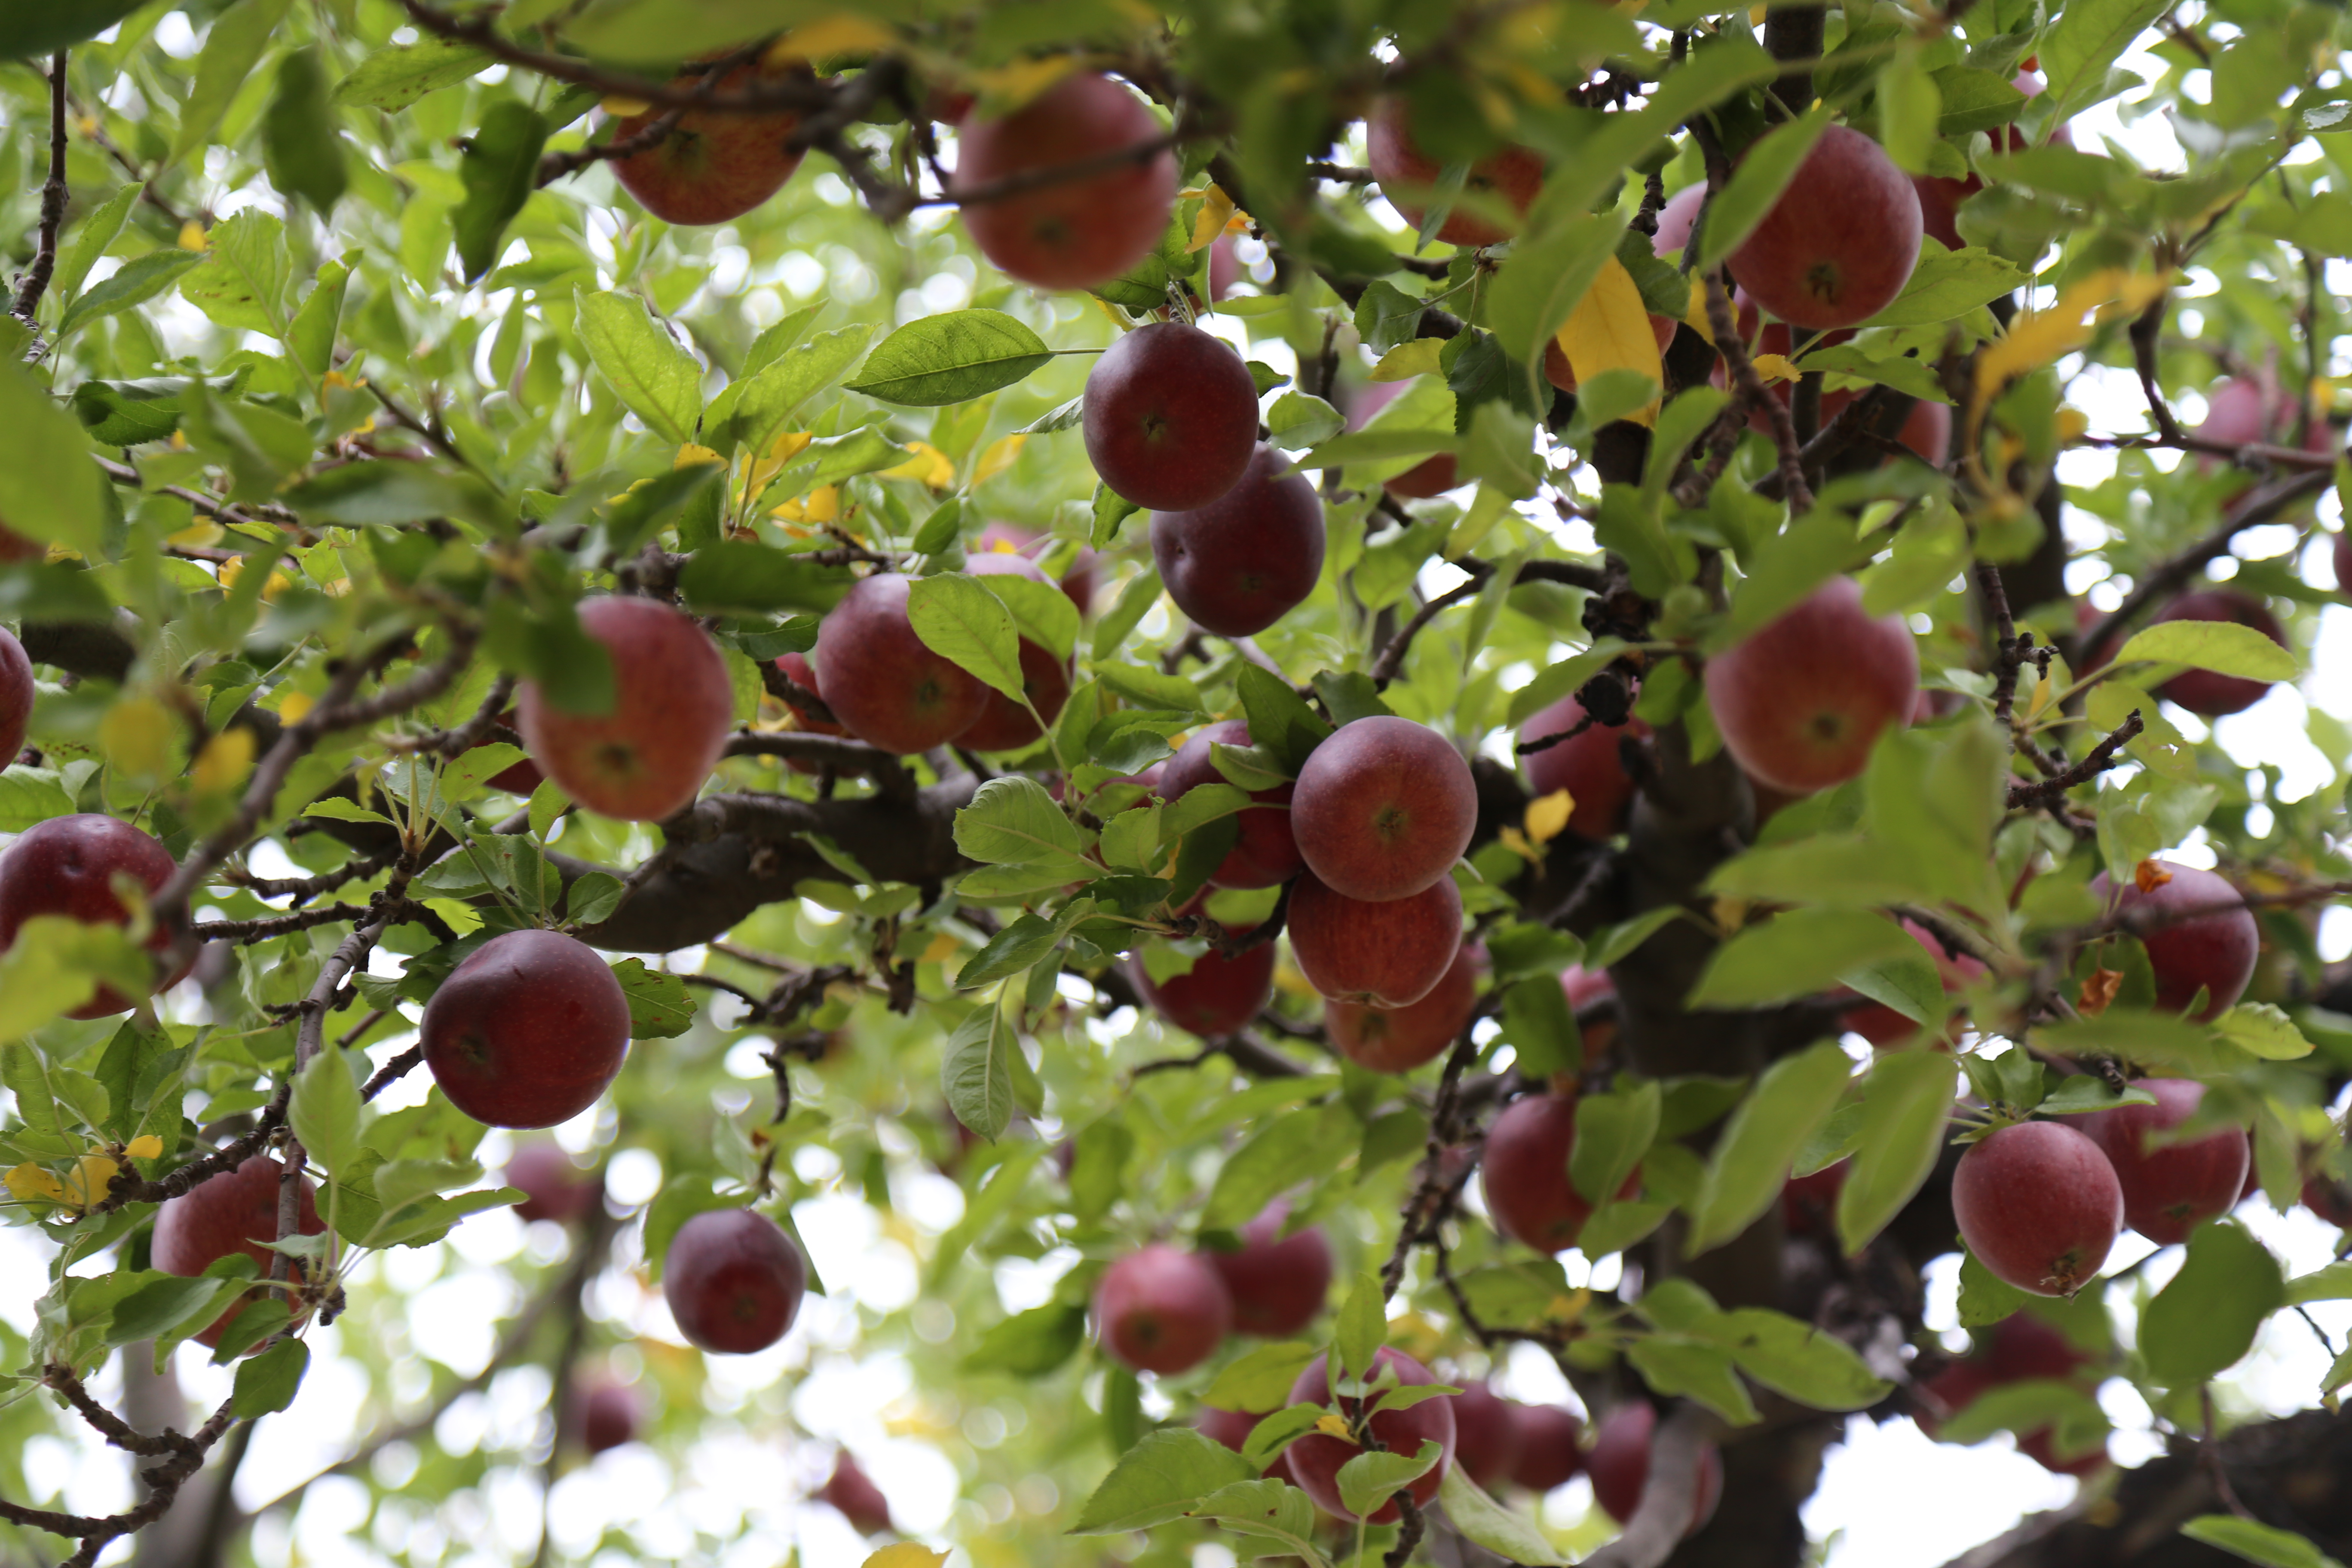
1675 220
2212 951
66 866
1248 558
1231 1427
733 1280
1217 997
1588 766
554 1187
712 167
1619 1464
855 1497
1171 416
1840 243
673 706
16 694
1809 1204
2202 692
1550 1446
2039 1205
1067 233
1225 268
2342 554
608 1414
2019 1348
1383 808
1277 1283
1382 956
1525 1174
1003 538
2168 1188
1315 1459
1882 1025
1408 176
1400 1039
233 1211
528 1031
1486 1441
14 547
1940 195
1433 476
882 682
1800 701
797 668
1003 725
1161 1309
1265 853
1583 987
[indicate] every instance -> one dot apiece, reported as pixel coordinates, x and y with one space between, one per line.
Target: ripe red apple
233 1211
1161 1309
803 674
1265 853
1248 558
552 1186
1809 1204
1676 218
1583 987
882 682
1381 955
2330 1199
1619 1464
2252 410
2018 1348
1433 476
1525 1174
2168 1188
15 546
2039 1205
1003 538
66 866
2213 952
733 1280
16 694
2023 1346
1231 1427
519 778
1225 268
1882 1025
1003 725
1217 997
1171 416
1383 808
1407 175
1940 195
1588 766
1486 1441
1073 233
1838 245
855 1497
1277 1283
672 705
712 168
608 1414
1801 700
528 1031
1315 1459
2202 692
1550 1446
1400 1039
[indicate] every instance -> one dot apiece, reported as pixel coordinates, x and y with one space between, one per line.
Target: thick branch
1670 1501
1753 390
35 280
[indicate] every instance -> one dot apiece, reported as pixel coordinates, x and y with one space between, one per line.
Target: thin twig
1753 390
35 280
2100 759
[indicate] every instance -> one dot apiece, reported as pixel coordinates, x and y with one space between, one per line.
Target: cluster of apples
2020 1348
1162 1309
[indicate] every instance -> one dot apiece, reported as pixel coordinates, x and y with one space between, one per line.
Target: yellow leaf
1239 223
201 535
905 1555
231 571
295 705
1517 843
1011 86
1610 330
2071 423
193 235
1002 454
29 1183
86 1183
1549 815
623 108
942 948
1776 367
1696 317
2038 338
147 1146
222 765
689 454
820 505
1331 1423
137 735
782 450
828 37
928 465
1407 360
1216 211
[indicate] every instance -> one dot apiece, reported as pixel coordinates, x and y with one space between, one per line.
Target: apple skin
1550 1446
66 866
797 668
1840 242
1161 1309
2215 951
1882 1025
1676 218
1515 173
1801 700
1315 1459
554 1187
882 681
712 168
1619 1464
17 693
609 1413
233 1211
1226 269
733 1280
1809 1204
528 1031
1242 563
673 706
2039 1205
1434 475
1589 768
1525 1174
1399 1039
1171 418
1231 1427
1486 1438
1217 997
1264 852
2202 692
1002 539
1381 955
2019 1348
1004 725
1075 233
1582 988
855 1497
1383 808
2169 1190
1277 1283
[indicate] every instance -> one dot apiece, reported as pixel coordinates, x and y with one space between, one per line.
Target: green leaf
1946 285
1268 1509
1298 420
1362 1327
2257 1543
1551 266
660 1006
1259 1380
1752 1158
1030 1343
1276 1432
232 49
1764 171
2223 647
1369 1478
1612 1132
134 283
1279 719
658 380
1907 1102
1985 1300
2205 1318
976 1070
958 619
2262 1030
325 1111
1158 1480
300 145
501 168
1010 950
1012 821
1541 1027
952 357
1799 1361
1675 1365
268 1382
1483 1519
397 75
26 31
753 412
28 796
1796 954
92 237
391 492
2085 39
242 283
50 489
1266 1164
1040 612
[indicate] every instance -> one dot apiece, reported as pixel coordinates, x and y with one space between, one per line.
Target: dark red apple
2039 1205
1882 1025
233 1211
1550 1446
2214 951
552 1186
1067 233
1587 765
2170 1188
1379 956
1400 1039
2330 1199
14 547
1809 1204
2202 692
16 694
1486 1441
66 866
1583 987
1619 1464
609 1413
1315 1459
1248 558
855 1495
2023 1346
528 1031
1840 243
1003 725
882 682
1265 853
1171 416
1525 1174
1161 1309
1231 1427
712 167
1407 176
673 706
1277 1282
797 668
733 1280
1383 808
1077 582
1217 997
1800 701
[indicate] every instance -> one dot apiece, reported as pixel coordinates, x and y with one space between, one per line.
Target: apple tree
1192 721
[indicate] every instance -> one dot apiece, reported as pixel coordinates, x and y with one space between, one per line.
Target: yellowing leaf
29 1183
1548 815
1331 1423
295 705
1610 330
193 235
2038 338
147 1146
137 734
828 37
624 107
905 1555
928 465
1407 360
222 765
2071 423
822 504
201 535
1012 86
1776 367
278 582
1696 317
1002 454
1512 839
942 948
86 1183
1216 211
689 454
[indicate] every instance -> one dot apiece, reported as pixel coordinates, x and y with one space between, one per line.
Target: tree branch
1756 394
2259 507
35 280
2100 759
1670 1501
